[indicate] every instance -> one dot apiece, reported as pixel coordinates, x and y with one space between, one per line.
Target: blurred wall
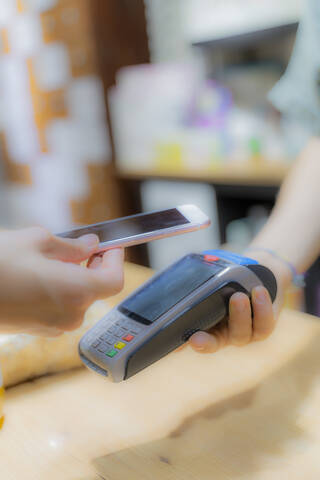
56 149
175 25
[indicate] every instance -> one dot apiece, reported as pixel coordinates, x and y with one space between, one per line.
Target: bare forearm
292 234
293 230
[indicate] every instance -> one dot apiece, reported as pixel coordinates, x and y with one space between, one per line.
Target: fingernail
200 341
238 302
198 346
90 240
210 345
197 341
259 294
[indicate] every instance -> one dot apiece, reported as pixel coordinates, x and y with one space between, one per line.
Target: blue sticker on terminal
231 257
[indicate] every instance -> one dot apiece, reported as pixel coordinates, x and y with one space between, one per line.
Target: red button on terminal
128 338
211 258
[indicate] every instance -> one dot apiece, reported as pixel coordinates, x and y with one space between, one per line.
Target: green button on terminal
111 353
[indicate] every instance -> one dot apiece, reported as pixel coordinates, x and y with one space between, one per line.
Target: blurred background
112 107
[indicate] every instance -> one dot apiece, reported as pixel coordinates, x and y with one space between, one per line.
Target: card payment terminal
190 295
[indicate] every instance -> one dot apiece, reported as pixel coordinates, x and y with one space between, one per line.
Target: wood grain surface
243 413
233 173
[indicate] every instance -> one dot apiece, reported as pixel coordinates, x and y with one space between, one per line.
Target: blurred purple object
211 106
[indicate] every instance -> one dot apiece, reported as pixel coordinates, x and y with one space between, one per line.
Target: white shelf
209 20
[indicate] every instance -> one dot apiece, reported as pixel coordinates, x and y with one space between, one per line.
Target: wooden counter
233 173
248 413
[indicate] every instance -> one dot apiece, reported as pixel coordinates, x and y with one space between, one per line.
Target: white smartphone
144 227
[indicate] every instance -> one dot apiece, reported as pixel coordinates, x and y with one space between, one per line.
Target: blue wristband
298 279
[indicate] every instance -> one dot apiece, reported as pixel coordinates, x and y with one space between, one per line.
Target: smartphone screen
131 226
173 284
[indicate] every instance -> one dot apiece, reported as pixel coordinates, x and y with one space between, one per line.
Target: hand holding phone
144 227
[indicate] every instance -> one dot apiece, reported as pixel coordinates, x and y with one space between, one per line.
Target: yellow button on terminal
119 345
